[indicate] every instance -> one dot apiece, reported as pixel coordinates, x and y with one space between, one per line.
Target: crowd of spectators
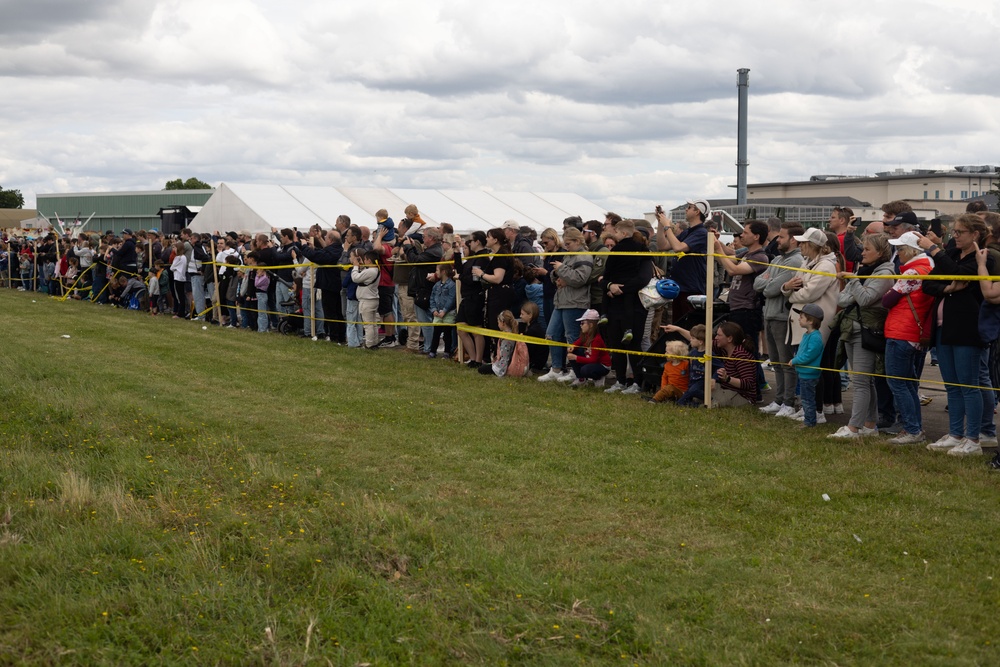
807 303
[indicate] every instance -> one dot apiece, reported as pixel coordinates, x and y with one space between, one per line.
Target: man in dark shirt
688 271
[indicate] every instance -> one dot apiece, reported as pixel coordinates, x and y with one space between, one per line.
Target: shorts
385 295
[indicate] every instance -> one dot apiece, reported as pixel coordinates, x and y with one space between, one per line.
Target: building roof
831 200
240 206
11 218
916 174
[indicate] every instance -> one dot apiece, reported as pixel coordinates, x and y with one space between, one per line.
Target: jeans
563 327
960 364
807 387
987 426
247 315
98 293
355 332
306 314
901 362
197 283
282 294
262 308
428 332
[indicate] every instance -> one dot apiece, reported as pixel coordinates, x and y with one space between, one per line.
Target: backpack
519 360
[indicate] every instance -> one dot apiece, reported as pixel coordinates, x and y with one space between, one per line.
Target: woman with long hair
736 381
497 278
471 255
956 320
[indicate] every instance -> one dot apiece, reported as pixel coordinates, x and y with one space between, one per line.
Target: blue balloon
667 288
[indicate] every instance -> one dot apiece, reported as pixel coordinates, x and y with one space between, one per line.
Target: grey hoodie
769 284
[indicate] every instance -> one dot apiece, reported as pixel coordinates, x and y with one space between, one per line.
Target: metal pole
709 314
215 268
312 299
743 84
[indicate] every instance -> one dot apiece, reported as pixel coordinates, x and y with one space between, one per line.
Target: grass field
170 495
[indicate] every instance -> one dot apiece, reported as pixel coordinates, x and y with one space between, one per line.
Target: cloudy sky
627 103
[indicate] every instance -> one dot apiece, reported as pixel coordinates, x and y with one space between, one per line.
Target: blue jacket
350 286
810 354
443 296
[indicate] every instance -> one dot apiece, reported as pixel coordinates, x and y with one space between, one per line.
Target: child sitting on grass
505 347
810 354
529 325
588 358
674 381
694 397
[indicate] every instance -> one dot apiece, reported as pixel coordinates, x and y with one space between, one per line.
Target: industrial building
117 210
947 191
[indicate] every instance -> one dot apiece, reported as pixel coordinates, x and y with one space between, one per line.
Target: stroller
291 321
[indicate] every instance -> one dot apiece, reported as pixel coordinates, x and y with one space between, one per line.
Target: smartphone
658 209
936 227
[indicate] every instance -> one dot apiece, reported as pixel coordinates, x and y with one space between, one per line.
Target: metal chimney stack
743 85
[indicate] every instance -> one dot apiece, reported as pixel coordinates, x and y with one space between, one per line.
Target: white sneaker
865 431
905 438
944 444
617 386
553 374
845 433
631 389
599 382
838 408
577 383
771 409
797 415
785 411
966 448
766 366
820 418
987 440
567 376
828 409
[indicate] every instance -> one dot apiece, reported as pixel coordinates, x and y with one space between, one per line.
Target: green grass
180 496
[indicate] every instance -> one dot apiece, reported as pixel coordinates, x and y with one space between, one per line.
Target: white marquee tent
258 208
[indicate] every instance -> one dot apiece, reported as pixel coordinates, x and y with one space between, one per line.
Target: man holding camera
688 271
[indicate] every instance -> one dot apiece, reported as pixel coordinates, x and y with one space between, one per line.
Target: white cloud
626 103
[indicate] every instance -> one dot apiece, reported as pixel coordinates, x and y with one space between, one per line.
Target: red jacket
591 355
900 324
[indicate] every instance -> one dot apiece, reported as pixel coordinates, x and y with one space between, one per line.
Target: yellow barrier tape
949 278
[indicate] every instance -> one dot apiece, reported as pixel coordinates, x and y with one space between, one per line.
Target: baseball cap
812 235
511 224
810 309
909 239
590 315
909 217
127 231
702 205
